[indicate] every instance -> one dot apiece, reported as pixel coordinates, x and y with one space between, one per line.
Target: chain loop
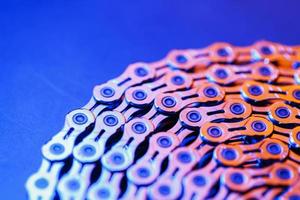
220 122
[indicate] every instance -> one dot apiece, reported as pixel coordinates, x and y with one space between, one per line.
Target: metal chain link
215 123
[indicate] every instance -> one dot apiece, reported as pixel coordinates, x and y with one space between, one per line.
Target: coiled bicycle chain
215 123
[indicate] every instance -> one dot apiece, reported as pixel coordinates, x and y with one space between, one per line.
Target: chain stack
215 123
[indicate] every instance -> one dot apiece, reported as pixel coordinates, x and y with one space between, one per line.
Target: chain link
215 123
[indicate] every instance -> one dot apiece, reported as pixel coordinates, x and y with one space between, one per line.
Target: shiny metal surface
220 122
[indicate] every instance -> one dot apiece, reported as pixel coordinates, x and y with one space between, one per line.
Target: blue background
52 53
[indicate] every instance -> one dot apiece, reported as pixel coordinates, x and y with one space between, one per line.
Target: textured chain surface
215 123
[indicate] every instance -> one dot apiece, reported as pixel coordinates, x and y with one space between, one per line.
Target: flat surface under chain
215 123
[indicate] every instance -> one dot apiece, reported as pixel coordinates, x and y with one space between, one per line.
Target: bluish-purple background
53 52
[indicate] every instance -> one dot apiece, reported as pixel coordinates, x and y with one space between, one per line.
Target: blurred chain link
215 123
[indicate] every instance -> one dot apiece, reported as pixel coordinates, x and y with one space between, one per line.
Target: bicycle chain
213 123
